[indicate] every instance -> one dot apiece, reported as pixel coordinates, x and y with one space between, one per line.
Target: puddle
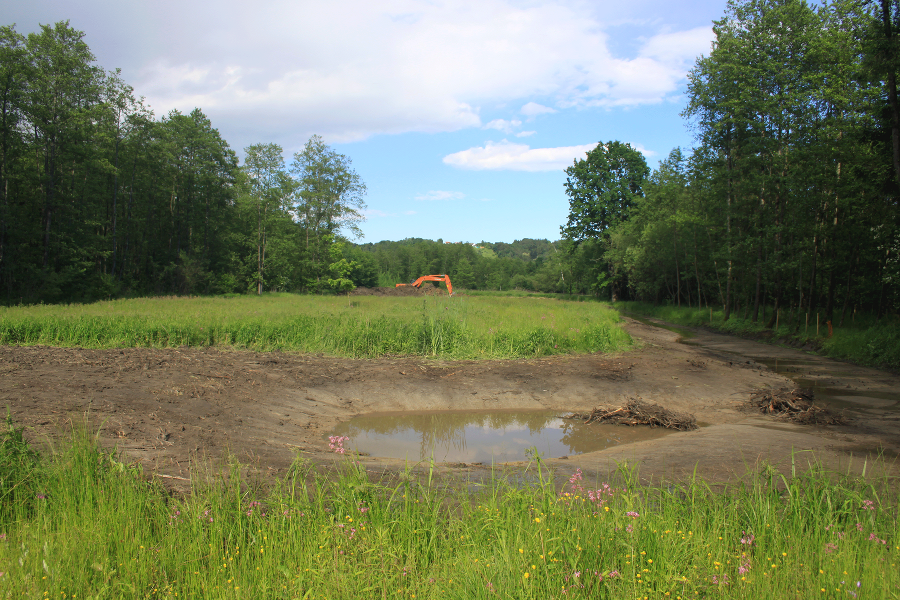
486 437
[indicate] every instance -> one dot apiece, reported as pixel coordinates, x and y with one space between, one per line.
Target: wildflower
868 505
336 443
829 548
526 575
632 514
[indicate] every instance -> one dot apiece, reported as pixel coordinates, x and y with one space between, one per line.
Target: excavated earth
173 409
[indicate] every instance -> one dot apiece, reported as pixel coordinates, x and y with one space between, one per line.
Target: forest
789 199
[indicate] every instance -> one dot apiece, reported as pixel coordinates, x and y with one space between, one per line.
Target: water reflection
458 436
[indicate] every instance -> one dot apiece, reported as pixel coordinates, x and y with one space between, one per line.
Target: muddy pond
482 437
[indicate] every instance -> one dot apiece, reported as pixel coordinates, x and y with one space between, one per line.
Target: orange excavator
418 282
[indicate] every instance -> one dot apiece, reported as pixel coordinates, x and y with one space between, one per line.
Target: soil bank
168 408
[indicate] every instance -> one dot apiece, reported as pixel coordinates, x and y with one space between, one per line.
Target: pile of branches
794 405
638 412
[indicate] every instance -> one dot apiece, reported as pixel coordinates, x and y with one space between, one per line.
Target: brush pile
638 412
794 405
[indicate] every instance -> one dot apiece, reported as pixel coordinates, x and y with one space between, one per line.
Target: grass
866 341
79 523
362 326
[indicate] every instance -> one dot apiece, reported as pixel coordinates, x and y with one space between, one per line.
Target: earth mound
404 290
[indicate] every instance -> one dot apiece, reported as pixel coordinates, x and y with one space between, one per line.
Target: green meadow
78 522
359 326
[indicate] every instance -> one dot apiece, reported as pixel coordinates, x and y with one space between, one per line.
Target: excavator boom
418 282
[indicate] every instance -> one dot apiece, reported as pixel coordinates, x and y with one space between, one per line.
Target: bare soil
169 408
427 289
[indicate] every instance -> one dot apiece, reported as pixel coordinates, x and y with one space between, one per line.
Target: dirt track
166 408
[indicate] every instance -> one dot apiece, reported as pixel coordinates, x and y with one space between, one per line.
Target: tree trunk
757 296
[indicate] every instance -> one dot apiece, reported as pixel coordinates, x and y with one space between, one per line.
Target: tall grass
95 527
865 341
362 326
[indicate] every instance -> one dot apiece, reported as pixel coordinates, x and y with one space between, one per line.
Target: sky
459 115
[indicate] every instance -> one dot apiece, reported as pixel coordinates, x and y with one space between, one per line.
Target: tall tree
269 189
602 188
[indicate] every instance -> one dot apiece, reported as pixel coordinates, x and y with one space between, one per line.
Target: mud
169 408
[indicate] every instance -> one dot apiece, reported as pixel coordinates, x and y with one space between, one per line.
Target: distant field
363 326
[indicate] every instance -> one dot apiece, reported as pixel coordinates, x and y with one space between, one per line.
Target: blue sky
460 116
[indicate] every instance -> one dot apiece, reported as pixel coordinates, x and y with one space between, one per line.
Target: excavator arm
418 282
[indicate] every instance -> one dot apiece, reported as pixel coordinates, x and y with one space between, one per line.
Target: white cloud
349 69
640 148
679 46
506 155
525 133
503 125
533 109
440 195
281 70
374 212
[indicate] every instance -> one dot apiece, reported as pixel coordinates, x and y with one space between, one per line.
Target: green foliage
104 531
601 189
99 199
20 476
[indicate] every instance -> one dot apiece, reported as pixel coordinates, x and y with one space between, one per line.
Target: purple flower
632 514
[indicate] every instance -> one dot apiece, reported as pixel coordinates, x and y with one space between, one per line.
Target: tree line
789 199
98 198
786 205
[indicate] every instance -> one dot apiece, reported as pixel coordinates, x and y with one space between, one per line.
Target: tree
601 189
13 82
329 200
268 185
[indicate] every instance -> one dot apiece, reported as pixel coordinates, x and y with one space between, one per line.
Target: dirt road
167 408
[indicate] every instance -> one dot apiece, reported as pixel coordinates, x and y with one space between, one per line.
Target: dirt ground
168 408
